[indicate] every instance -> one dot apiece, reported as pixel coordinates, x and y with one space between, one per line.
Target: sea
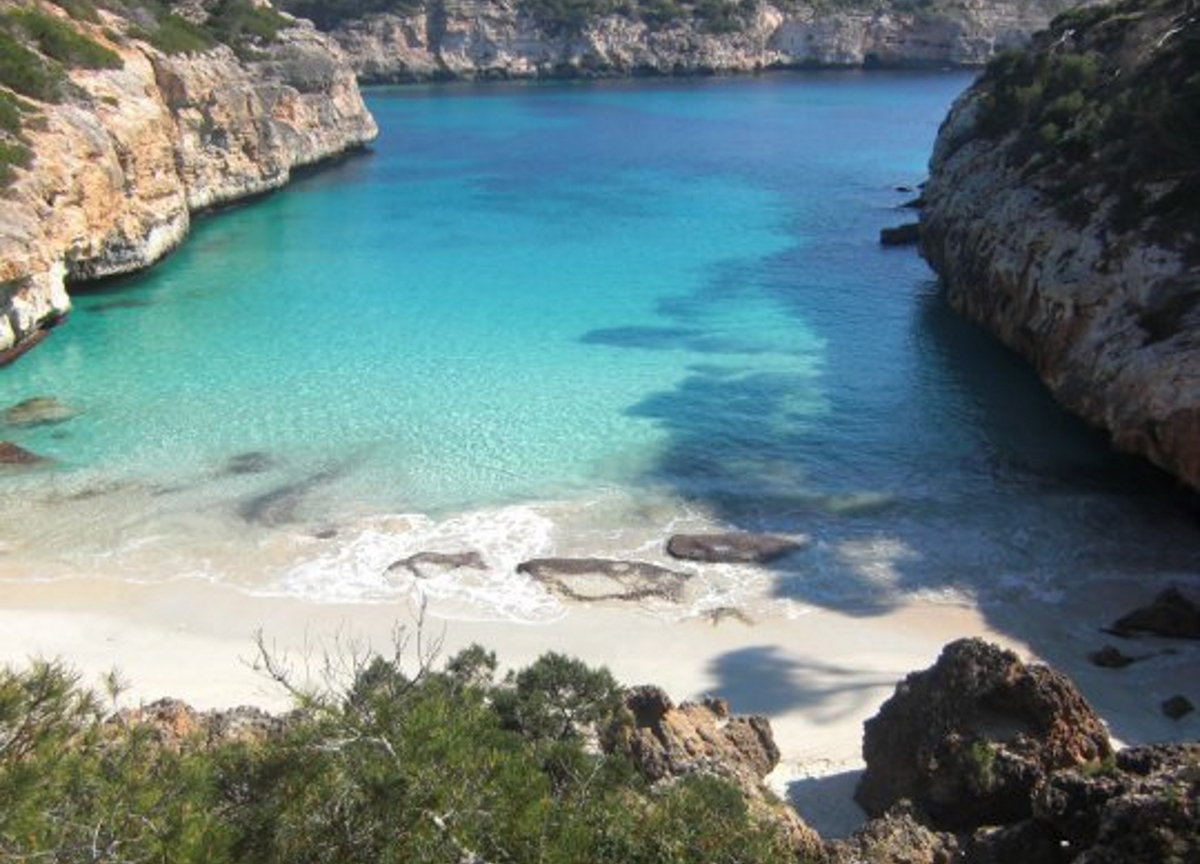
572 319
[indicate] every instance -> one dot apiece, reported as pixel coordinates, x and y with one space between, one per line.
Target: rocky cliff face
1063 214
123 160
502 39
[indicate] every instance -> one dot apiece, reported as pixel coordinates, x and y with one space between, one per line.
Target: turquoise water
568 319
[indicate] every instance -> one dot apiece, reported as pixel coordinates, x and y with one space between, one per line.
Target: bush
27 73
176 35
59 40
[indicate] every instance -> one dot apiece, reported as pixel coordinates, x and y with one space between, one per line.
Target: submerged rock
1177 707
38 411
1171 614
1111 657
969 739
421 563
734 547
14 454
250 462
605 579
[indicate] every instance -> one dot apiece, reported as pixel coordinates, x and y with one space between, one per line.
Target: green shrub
177 35
62 42
80 10
28 73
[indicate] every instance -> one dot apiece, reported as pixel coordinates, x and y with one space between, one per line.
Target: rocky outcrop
605 578
970 738
502 39
1061 213
732 547
1171 615
123 161
665 742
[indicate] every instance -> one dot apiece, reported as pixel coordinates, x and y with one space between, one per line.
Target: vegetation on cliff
388 765
1107 103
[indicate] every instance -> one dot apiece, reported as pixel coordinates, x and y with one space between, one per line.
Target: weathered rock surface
605 579
897 837
423 563
1061 213
735 547
175 723
121 165
498 39
666 741
1171 614
970 738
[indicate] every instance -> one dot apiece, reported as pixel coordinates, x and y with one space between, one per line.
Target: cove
569 319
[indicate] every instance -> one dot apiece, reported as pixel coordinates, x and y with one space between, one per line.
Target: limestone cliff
1063 213
509 39
120 156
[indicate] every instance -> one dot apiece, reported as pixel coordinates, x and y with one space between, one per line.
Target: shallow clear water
569 319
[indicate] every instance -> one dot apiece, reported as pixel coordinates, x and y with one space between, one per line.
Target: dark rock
14 454
38 411
968 739
605 579
251 462
1027 842
907 234
1171 614
734 547
422 562
1138 808
1177 706
913 203
1110 657
897 837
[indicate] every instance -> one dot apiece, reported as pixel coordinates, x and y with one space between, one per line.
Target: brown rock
897 837
1171 614
38 411
14 454
733 547
968 739
605 579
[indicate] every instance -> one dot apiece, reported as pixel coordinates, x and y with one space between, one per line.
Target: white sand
817 677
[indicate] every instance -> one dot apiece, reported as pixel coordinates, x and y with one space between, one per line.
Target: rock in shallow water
734 547
1171 614
38 411
14 454
422 563
605 579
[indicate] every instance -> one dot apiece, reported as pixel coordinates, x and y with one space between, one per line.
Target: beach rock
251 462
908 234
1137 808
1177 706
38 411
605 579
734 547
969 739
1171 614
896 837
1111 657
422 563
14 454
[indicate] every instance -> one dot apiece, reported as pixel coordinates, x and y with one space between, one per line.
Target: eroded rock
969 739
605 578
734 547
1171 614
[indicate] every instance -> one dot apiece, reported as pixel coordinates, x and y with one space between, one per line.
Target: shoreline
817 677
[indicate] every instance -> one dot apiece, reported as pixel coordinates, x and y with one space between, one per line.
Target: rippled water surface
570 319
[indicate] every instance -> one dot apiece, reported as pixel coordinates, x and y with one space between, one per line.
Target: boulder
897 837
733 547
38 411
1177 707
422 563
605 579
1111 657
970 738
1171 614
14 454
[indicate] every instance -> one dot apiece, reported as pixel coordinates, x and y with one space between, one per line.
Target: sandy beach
817 676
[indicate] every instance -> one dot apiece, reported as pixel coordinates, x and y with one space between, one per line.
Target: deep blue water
568 318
